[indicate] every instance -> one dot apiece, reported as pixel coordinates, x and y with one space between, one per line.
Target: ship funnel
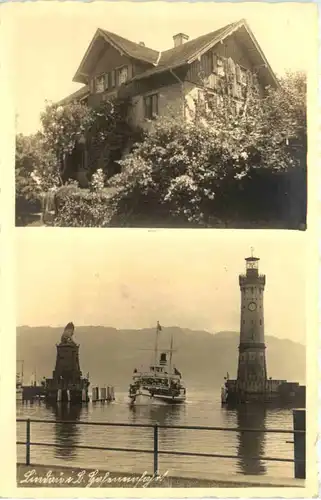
163 359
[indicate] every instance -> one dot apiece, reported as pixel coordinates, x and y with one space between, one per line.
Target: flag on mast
158 327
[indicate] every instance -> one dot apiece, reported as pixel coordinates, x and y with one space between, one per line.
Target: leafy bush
208 168
77 207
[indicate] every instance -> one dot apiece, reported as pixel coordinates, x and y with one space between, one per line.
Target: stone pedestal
67 383
67 369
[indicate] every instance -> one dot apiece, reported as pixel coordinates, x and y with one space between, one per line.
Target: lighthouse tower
251 375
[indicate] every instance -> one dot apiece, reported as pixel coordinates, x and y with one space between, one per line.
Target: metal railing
298 434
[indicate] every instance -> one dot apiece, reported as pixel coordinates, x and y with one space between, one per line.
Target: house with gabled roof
162 83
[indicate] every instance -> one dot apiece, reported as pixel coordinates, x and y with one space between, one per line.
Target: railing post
155 449
299 444
28 442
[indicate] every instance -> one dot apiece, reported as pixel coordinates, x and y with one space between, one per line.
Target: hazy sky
49 39
132 278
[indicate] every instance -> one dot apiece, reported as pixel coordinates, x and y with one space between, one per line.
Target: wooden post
28 442
155 449
299 444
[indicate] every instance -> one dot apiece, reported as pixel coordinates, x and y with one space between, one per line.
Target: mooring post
155 449
28 442
299 444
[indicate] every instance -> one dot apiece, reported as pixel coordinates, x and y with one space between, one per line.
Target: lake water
202 409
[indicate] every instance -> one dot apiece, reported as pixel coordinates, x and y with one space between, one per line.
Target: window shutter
235 92
225 65
106 81
214 62
122 75
155 104
238 73
212 81
113 78
100 84
206 63
231 66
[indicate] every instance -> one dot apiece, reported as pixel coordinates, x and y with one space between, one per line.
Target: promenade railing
298 434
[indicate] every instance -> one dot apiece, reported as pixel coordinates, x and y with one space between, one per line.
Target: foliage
284 123
97 181
35 168
49 159
83 207
63 126
190 171
103 129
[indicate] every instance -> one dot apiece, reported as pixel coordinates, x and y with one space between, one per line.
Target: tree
211 166
102 129
35 169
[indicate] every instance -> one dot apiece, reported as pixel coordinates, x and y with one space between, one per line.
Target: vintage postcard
200 123
159 250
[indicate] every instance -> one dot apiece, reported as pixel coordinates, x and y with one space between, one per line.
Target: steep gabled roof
181 55
185 53
124 46
193 49
131 49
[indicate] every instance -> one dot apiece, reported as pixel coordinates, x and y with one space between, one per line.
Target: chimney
179 39
142 44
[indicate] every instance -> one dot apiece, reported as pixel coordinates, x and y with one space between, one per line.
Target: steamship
161 382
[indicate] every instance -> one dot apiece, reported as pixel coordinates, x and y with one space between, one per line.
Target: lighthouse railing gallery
298 434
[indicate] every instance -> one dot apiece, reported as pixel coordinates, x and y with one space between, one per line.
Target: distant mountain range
110 355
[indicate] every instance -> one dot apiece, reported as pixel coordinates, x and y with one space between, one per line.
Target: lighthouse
251 383
251 373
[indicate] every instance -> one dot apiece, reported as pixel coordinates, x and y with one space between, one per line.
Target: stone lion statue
68 333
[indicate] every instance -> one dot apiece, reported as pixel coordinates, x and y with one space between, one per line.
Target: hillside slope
110 355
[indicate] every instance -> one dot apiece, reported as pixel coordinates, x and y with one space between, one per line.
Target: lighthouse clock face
252 306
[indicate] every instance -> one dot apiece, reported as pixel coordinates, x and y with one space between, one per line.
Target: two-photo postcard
159 252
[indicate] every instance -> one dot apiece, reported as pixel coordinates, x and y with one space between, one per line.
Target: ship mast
171 355
170 359
158 328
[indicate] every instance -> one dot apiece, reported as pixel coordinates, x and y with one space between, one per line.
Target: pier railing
298 434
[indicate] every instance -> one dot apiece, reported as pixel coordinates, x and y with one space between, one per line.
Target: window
122 75
113 78
151 106
100 84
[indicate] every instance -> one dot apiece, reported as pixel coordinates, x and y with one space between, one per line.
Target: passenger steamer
161 383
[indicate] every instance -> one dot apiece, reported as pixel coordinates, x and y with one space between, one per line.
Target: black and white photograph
183 115
158 249
195 378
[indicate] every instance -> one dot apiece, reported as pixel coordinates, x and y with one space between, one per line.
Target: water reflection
67 434
168 415
157 414
251 445
201 409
